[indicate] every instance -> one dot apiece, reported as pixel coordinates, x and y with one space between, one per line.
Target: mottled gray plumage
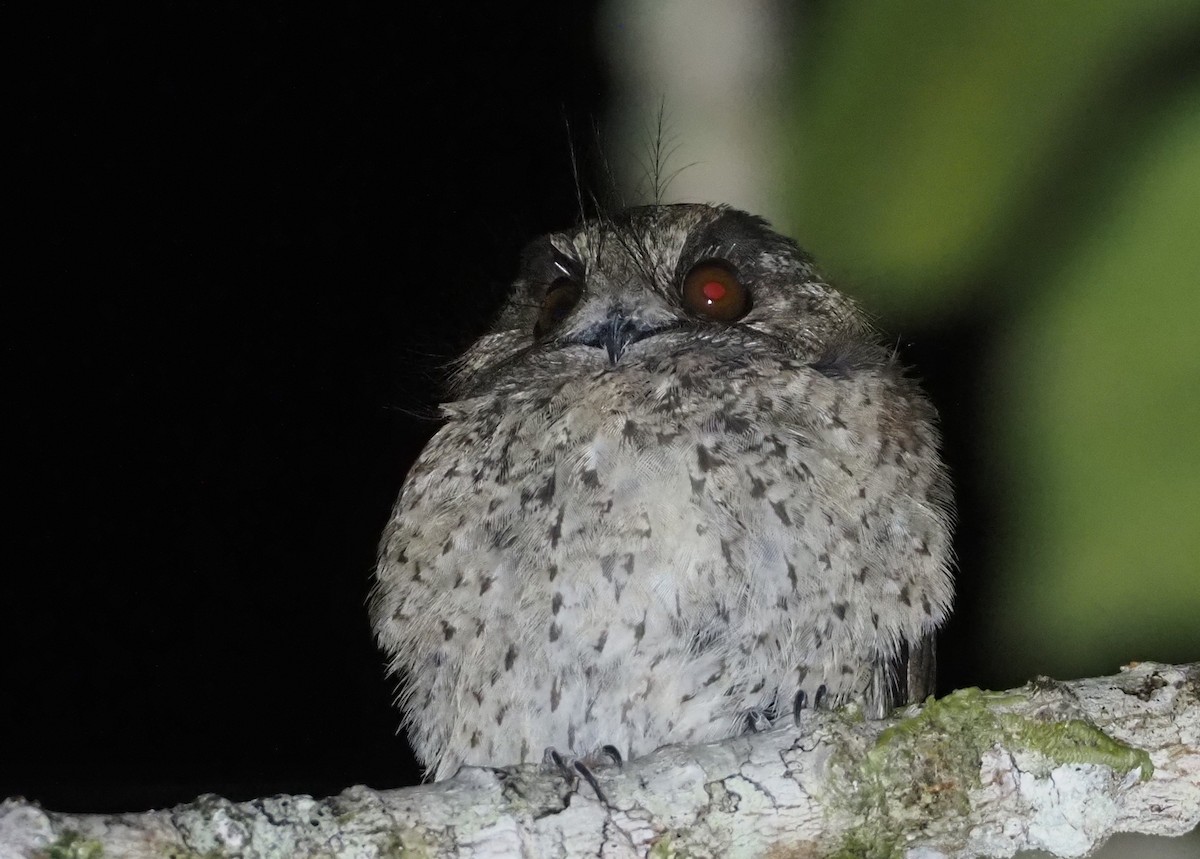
640 526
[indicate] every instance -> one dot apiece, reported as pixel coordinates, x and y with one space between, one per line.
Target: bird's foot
572 768
820 701
758 719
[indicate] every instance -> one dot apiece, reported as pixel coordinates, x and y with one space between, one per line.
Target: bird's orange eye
561 298
712 289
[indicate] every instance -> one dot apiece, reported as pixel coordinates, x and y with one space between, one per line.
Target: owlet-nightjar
680 490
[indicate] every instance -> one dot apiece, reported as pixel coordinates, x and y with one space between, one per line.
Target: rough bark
1055 766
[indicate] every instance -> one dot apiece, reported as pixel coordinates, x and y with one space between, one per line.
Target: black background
249 237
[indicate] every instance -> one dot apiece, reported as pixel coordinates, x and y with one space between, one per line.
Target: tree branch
1052 766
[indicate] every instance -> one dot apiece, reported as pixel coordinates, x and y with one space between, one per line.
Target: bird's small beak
616 334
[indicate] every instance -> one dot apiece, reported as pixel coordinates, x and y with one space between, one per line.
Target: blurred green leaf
923 129
1101 417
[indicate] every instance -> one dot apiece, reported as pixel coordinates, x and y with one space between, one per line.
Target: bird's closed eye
561 297
712 289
